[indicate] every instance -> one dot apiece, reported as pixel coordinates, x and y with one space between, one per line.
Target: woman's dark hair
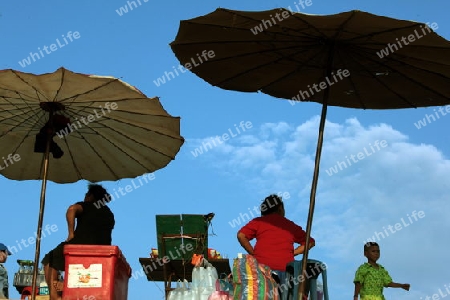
98 192
270 204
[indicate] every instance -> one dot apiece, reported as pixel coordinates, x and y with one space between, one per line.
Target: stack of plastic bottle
203 282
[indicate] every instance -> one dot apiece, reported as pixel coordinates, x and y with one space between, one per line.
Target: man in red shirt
275 237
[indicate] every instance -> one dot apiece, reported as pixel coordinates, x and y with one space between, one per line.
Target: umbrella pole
44 167
312 199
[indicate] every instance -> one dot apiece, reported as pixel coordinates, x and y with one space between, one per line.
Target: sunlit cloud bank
380 192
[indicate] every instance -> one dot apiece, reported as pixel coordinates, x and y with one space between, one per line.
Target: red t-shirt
275 237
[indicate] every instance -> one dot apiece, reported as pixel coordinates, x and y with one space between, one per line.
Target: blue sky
403 177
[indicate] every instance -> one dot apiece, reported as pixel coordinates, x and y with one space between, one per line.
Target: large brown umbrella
352 59
66 126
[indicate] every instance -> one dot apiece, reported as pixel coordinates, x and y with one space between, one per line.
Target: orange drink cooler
95 272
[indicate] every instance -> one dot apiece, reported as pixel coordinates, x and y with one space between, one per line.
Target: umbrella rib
71 112
30 85
119 148
97 153
19 144
27 120
418 82
156 132
384 45
338 31
267 32
405 76
73 97
417 68
405 100
243 42
389 30
147 129
421 60
128 123
299 68
93 148
281 56
225 26
19 97
367 44
253 53
353 83
63 73
260 66
326 49
17 108
379 81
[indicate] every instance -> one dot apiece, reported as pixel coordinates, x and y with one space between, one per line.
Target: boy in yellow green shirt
371 278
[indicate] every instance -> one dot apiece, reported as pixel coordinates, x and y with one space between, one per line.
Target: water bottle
196 292
319 290
196 278
205 292
211 277
43 288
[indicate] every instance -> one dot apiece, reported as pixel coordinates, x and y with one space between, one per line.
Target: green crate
181 232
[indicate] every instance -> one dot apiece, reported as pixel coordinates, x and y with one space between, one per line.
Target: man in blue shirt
4 252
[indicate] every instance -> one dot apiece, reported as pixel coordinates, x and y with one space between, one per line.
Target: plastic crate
26 279
95 270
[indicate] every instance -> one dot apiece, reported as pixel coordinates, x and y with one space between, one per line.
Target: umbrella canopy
111 125
96 128
390 63
352 59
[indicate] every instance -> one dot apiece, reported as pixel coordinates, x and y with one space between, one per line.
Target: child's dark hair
98 192
270 204
369 244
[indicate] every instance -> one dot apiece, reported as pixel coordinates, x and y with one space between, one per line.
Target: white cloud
380 188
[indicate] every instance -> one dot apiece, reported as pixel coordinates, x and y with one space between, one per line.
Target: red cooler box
95 272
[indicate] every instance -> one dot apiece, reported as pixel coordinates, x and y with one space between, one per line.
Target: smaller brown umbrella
352 59
96 128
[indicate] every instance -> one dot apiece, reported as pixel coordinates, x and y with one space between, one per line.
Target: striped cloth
253 281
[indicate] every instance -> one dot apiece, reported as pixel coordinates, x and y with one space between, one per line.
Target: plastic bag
203 281
253 281
219 294
226 283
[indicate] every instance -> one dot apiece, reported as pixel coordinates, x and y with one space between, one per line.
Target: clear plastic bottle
196 278
205 292
211 277
319 290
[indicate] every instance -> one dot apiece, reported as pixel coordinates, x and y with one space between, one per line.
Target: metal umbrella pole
45 164
312 199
